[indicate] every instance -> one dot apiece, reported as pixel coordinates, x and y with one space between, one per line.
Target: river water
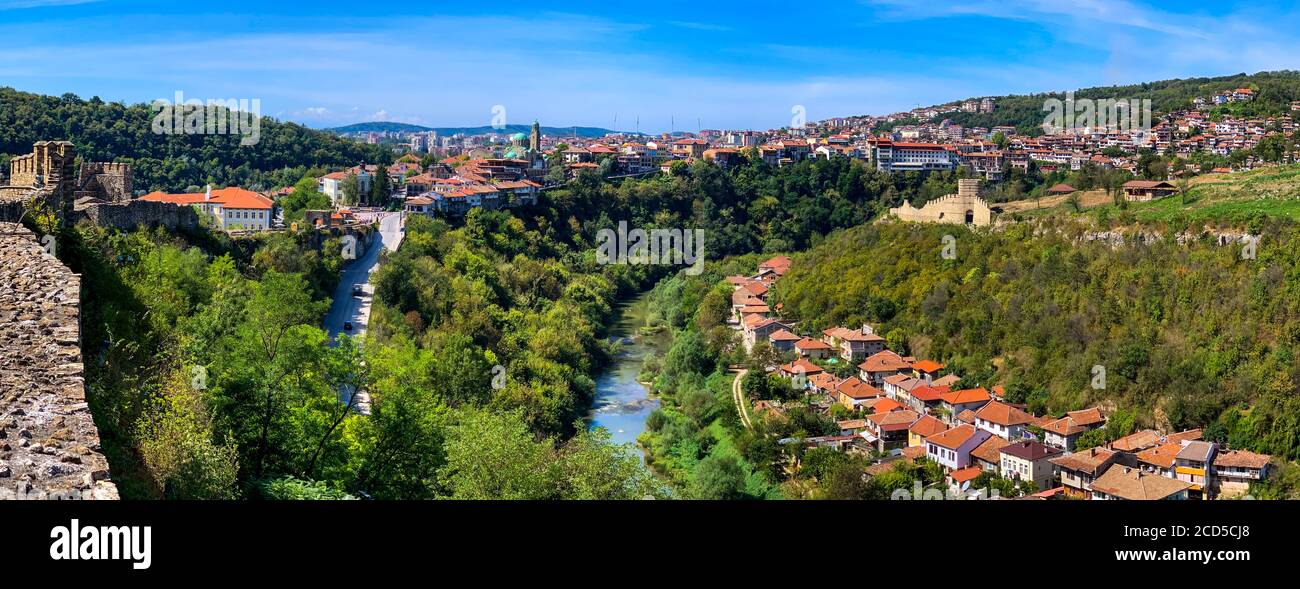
622 404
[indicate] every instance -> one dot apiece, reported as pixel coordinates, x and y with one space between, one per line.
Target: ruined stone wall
105 181
49 446
952 208
49 163
132 214
15 202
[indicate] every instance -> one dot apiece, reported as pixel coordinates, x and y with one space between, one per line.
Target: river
622 403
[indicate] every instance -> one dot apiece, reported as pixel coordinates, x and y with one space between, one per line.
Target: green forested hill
109 131
1190 335
1275 90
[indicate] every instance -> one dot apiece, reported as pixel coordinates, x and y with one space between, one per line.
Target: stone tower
535 138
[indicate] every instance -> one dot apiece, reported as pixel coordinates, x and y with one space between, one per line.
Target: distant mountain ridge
385 126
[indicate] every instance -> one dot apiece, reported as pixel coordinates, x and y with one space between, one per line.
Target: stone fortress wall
49 445
964 207
100 193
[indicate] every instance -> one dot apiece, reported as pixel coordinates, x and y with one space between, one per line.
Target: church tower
535 138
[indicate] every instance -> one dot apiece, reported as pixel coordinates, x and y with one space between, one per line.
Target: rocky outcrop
49 445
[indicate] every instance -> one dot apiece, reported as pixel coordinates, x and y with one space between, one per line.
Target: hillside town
452 175
899 408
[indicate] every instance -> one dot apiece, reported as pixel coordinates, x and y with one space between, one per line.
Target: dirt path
739 398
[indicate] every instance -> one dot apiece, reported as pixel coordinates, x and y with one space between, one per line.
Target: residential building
1147 190
854 344
1064 432
951 448
1236 470
782 340
1121 482
1193 464
1077 471
332 184
811 348
987 456
923 428
899 156
1159 459
889 430
1004 420
760 328
899 387
1136 441
881 365
852 393
1029 460
953 403
926 399
926 370
799 369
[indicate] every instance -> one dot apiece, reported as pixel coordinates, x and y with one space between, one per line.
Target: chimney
208 195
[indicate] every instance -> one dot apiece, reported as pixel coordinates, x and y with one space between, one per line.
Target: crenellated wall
964 207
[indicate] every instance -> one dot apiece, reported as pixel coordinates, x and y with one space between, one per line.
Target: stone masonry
49 446
964 207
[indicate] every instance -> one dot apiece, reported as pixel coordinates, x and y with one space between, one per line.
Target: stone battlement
965 206
49 445
105 181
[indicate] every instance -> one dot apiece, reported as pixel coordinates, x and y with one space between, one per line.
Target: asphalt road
347 308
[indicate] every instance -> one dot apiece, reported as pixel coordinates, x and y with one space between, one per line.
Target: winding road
347 308
356 310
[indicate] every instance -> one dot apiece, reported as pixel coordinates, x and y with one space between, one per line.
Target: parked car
347 326
356 291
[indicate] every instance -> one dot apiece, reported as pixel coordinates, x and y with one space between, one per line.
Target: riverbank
622 402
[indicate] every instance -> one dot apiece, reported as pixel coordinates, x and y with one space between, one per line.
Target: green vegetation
1275 91
111 131
1190 335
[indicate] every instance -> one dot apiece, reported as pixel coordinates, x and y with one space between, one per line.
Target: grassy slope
1231 198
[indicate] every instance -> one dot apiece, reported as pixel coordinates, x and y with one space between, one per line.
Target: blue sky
671 64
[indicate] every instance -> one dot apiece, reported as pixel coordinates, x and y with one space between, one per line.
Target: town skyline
676 70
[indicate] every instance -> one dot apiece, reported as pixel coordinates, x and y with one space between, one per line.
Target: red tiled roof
229 198
885 361
927 366
812 344
965 396
1003 414
953 438
926 394
927 426
969 473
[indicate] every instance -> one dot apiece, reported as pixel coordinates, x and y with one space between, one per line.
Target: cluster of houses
455 186
906 409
